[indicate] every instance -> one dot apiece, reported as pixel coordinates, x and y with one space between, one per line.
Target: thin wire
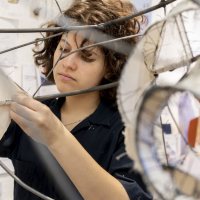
58 6
42 35
164 7
164 142
29 43
187 39
175 122
178 128
50 70
80 49
175 65
83 27
181 35
157 45
22 184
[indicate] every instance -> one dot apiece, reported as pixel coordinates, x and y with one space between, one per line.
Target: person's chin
65 89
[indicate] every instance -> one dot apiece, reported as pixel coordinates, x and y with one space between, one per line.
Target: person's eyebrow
87 42
65 41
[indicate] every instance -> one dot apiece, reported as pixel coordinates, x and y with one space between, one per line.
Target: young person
82 134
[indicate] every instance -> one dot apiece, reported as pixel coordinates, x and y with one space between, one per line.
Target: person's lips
66 77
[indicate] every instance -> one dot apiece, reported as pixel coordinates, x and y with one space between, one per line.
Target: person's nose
70 62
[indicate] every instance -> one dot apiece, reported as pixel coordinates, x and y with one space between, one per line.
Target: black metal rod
29 43
77 92
142 12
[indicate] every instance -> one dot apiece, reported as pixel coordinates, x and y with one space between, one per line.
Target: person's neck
81 105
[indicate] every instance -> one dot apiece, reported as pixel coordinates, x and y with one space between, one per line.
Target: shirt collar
101 116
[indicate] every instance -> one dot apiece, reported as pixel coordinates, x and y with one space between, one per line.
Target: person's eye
87 56
64 50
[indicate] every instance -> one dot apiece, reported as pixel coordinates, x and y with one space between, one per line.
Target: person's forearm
92 181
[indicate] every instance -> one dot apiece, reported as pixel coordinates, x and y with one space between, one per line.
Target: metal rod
77 92
29 43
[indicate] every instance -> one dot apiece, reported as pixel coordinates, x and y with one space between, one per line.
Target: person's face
80 70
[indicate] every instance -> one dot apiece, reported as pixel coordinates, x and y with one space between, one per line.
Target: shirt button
91 128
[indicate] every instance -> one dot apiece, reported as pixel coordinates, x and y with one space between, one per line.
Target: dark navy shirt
100 134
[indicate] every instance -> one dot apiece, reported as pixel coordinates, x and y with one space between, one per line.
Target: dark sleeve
9 140
122 168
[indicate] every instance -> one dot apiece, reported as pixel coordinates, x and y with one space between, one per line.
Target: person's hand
36 119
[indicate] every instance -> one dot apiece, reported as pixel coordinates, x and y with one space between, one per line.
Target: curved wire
22 184
77 92
59 8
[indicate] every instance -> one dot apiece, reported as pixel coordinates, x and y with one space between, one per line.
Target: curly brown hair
92 12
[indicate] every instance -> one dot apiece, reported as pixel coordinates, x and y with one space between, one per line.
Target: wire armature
63 29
